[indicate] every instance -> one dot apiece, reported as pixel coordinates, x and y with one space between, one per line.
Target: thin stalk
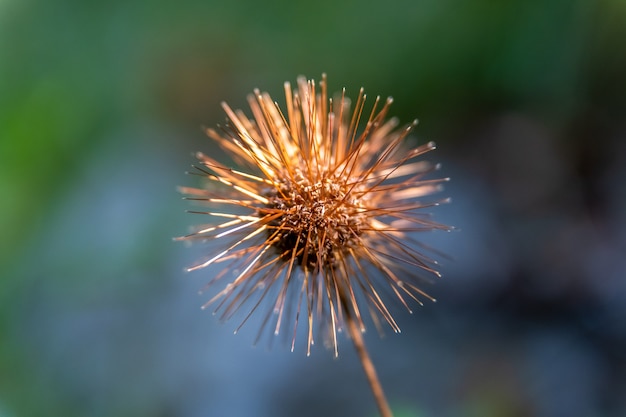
368 365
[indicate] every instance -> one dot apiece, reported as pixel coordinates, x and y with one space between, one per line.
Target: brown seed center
319 220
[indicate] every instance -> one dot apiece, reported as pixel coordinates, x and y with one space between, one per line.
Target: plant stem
368 366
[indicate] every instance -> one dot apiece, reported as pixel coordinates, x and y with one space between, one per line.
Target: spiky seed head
321 213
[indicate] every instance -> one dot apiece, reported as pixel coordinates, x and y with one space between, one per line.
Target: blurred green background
102 106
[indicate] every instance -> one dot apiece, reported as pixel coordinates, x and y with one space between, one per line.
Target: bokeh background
102 105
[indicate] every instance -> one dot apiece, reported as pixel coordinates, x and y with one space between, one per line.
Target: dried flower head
319 219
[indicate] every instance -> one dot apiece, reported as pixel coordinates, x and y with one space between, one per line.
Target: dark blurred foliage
102 105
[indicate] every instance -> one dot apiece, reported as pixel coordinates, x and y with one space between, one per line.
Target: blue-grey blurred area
102 105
